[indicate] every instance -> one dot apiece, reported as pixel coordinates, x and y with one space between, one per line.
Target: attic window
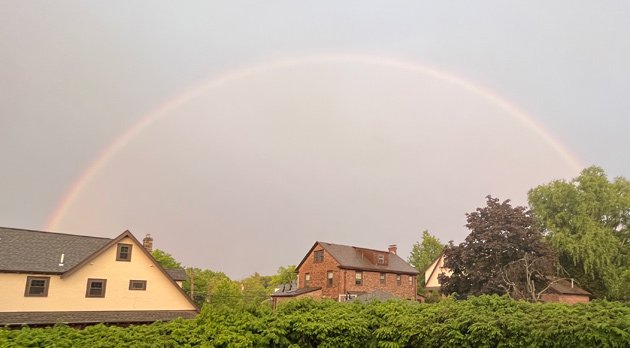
319 256
381 259
137 285
96 288
36 286
123 252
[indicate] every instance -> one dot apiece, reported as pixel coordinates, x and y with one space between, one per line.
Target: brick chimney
392 249
147 242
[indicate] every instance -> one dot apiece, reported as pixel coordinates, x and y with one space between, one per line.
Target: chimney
147 242
392 249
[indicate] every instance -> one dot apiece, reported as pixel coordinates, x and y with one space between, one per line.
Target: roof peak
356 247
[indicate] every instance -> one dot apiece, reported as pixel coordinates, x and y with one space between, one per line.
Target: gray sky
355 122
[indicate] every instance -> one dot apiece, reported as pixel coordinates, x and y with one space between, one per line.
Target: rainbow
164 108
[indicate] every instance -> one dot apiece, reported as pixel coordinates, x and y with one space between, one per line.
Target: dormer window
123 253
381 259
319 256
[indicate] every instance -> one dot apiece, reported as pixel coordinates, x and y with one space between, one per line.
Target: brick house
48 278
344 272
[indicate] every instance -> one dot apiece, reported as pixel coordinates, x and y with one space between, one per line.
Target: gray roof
40 252
292 291
178 274
351 257
564 286
82 317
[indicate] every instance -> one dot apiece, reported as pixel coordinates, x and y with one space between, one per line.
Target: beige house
431 281
48 278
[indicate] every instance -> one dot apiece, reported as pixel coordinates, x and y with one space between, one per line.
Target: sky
239 133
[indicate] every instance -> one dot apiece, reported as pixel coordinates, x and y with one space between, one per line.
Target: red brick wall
570 299
372 282
318 271
344 280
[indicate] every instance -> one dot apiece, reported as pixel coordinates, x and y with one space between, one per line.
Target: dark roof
350 257
41 247
564 286
178 274
40 252
80 317
291 291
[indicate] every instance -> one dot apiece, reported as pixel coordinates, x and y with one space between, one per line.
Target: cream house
46 278
431 281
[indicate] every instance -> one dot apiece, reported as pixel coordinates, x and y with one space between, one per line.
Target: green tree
588 220
423 254
501 237
165 259
201 283
253 289
225 292
285 275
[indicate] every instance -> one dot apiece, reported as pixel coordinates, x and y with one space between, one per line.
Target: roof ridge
358 247
48 232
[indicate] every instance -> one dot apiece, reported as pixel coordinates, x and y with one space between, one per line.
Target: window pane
37 282
137 284
95 288
36 290
36 286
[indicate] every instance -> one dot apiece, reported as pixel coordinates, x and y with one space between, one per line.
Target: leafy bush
486 321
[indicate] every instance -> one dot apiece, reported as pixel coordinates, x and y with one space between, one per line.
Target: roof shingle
90 317
352 258
40 252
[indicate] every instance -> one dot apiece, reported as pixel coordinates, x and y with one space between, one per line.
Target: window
410 280
329 278
397 279
95 288
124 252
381 259
319 256
382 278
358 278
137 285
307 280
36 286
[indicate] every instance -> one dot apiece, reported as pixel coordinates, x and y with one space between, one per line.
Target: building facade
47 278
342 272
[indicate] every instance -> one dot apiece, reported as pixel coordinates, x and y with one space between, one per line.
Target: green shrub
486 321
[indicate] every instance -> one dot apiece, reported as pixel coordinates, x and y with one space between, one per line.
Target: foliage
487 321
254 290
202 284
165 259
285 275
423 254
588 221
488 261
